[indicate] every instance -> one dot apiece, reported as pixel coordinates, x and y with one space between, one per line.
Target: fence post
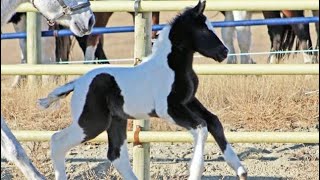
33 41
142 48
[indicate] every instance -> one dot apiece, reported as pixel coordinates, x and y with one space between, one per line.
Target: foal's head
192 31
76 14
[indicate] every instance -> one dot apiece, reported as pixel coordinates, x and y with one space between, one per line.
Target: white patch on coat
144 87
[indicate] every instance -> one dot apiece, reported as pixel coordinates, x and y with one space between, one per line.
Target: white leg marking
90 51
122 164
307 58
273 59
232 159
61 142
197 164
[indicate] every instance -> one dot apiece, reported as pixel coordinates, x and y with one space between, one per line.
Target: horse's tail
288 39
57 94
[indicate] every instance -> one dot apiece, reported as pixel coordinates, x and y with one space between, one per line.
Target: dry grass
243 103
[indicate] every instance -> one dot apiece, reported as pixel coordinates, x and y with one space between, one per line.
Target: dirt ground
170 160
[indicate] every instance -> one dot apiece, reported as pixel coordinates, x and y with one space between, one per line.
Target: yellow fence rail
216 5
201 69
186 137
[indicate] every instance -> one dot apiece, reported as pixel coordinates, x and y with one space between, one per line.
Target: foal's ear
199 8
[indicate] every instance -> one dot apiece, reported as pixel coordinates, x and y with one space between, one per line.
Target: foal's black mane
16 18
181 55
188 12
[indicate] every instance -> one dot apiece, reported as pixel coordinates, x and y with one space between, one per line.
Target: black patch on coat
189 33
16 18
103 101
117 133
180 61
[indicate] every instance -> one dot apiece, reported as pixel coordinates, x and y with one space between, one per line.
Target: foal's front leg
182 116
216 129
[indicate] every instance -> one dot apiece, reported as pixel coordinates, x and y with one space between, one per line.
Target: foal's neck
8 8
180 60
168 54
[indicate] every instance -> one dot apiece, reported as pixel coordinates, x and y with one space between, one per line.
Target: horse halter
67 10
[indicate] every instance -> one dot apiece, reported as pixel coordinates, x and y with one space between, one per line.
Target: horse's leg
13 151
91 116
216 130
93 40
155 21
184 117
243 36
316 13
303 34
20 26
82 41
61 143
99 54
76 133
48 52
227 36
275 34
118 151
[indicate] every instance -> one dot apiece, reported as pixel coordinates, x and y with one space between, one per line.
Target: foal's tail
56 94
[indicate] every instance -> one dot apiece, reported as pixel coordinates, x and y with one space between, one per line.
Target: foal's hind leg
184 117
86 129
216 129
118 151
61 143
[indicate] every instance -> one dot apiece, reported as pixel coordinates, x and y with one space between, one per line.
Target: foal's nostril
225 51
91 21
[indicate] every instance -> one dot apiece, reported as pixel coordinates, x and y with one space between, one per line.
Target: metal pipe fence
126 29
211 5
145 137
200 69
186 137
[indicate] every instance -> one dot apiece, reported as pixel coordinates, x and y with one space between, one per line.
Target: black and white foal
163 85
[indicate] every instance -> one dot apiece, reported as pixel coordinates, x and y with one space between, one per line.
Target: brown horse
283 37
92 45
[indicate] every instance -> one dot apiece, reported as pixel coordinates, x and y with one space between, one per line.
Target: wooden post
142 48
33 41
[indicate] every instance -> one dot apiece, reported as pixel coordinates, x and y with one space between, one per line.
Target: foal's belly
138 105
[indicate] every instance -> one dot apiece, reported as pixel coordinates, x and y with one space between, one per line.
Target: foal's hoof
243 176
